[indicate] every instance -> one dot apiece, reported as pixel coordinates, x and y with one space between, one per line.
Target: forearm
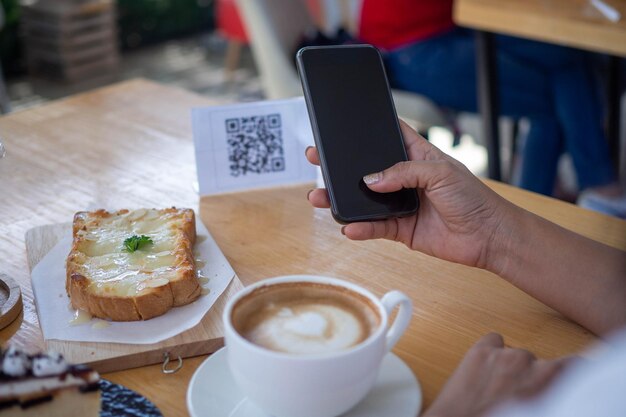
579 277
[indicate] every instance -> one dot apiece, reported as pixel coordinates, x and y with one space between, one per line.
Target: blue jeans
552 86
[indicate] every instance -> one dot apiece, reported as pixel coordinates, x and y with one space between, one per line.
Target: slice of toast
124 283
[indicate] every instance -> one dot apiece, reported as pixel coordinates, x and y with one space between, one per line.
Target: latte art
305 318
308 329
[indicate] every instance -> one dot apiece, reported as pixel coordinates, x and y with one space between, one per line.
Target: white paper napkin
55 315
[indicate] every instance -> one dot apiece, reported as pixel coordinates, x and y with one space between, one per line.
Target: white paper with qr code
252 145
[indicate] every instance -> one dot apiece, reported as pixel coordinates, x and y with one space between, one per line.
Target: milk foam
308 329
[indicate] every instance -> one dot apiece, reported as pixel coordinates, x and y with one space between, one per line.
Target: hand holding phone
356 129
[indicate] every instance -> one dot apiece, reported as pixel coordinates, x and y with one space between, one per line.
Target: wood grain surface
204 338
123 146
130 146
276 232
572 23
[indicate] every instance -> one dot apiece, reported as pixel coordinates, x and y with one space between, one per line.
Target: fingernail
307 149
308 194
372 178
343 230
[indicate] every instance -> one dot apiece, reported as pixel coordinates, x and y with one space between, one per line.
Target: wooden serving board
206 337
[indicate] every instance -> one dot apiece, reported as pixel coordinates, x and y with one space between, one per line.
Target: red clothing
389 24
229 21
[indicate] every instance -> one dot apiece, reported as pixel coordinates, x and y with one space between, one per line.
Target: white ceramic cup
313 385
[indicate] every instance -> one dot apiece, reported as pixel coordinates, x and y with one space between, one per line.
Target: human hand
491 374
459 218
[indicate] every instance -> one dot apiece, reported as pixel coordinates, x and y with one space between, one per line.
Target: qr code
255 145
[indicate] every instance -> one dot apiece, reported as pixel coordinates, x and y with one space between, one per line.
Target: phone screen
355 127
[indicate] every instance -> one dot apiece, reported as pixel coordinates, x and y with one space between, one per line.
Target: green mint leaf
135 242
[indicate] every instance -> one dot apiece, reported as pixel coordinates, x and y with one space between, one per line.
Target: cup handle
390 301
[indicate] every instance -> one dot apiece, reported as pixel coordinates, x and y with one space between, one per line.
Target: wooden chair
231 27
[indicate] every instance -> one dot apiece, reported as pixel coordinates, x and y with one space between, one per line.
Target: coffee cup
310 346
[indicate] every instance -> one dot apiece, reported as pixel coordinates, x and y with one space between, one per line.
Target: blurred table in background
573 23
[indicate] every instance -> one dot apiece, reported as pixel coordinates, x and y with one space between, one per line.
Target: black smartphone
356 129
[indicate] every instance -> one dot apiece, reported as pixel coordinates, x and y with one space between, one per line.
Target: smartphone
356 129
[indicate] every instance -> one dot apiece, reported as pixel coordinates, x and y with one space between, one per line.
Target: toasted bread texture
107 280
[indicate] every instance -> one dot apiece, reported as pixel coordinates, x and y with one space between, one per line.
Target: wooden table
573 23
130 145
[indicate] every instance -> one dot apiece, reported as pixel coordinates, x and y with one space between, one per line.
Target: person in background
461 220
551 86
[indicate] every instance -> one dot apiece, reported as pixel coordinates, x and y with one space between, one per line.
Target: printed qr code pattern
255 145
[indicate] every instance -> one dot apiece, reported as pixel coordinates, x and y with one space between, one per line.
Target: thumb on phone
409 174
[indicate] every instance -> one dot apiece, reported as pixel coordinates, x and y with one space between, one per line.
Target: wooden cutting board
206 337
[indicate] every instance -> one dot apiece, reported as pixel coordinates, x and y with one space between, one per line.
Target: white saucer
213 391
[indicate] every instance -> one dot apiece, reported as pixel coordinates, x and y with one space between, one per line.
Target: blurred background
232 50
51 49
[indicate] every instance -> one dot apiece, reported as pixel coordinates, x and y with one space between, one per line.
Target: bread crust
151 297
